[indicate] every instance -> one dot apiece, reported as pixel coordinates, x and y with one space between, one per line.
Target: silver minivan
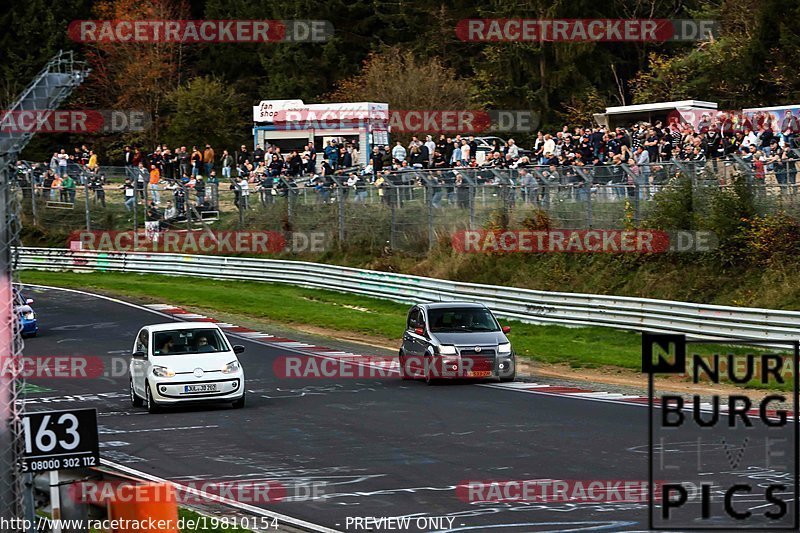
455 340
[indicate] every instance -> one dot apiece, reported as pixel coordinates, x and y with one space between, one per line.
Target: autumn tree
405 81
136 75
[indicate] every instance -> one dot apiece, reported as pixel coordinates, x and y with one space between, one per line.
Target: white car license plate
208 387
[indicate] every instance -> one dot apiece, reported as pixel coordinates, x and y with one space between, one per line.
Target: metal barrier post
86 198
429 201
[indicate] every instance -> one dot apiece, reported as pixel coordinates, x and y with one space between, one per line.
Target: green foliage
207 110
673 206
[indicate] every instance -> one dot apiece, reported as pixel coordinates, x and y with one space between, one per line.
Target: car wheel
238 404
135 400
403 370
152 406
510 378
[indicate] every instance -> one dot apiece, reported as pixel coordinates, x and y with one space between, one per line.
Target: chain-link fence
11 385
407 210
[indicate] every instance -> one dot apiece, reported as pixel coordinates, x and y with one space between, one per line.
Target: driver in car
167 345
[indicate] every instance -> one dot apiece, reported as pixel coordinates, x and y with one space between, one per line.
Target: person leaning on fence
200 189
383 185
68 189
155 178
97 184
170 213
153 213
212 186
130 193
265 190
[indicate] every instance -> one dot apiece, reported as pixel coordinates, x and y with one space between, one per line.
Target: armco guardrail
508 302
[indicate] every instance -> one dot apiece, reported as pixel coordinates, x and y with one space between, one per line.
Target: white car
182 362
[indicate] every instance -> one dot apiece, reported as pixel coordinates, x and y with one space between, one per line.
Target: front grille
478 361
483 353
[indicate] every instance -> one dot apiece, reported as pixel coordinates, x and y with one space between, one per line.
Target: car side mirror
238 348
139 355
506 329
29 301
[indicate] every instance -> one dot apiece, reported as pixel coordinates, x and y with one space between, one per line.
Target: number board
60 440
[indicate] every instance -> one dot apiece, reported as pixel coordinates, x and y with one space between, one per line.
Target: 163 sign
725 458
60 440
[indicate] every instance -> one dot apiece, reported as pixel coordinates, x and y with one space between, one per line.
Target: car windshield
188 341
462 319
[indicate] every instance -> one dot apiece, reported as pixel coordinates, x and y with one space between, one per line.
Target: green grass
583 347
590 346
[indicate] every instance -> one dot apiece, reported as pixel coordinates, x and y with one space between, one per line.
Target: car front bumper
448 367
177 390
28 327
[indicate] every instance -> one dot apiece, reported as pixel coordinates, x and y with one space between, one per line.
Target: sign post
59 440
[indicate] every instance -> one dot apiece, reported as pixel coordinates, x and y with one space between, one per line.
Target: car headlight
30 315
504 348
163 372
231 367
447 350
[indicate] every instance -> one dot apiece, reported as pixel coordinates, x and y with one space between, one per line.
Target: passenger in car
203 346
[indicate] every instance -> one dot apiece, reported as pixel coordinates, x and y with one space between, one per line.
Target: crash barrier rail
542 307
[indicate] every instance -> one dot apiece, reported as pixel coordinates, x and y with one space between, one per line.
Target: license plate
210 387
479 374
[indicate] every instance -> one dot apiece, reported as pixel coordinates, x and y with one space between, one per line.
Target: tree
136 75
405 82
751 64
206 110
33 31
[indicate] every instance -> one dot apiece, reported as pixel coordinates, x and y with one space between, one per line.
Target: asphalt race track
383 447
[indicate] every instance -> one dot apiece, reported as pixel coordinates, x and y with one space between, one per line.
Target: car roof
448 305
171 326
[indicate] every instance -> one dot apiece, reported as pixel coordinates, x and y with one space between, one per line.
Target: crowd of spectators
183 178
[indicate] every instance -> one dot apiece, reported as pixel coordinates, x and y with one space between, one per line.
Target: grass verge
584 347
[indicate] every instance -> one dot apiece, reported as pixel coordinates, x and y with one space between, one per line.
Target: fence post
135 207
392 202
340 202
33 202
429 201
88 214
472 193
239 204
